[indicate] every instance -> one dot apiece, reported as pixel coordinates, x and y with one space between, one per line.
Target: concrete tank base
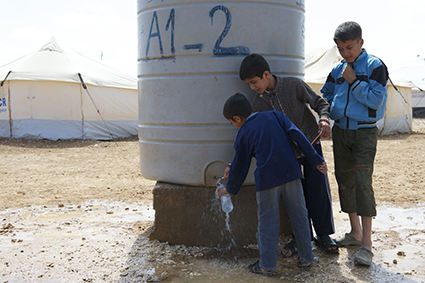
192 216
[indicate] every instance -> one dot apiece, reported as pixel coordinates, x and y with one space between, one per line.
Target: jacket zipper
348 98
346 106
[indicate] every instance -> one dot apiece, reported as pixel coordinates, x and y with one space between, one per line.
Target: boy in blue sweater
264 135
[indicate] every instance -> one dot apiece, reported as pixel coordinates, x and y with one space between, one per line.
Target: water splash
228 222
214 215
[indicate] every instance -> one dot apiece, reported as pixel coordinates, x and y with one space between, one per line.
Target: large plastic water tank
189 53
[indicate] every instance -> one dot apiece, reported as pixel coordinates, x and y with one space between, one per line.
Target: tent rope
396 89
405 101
97 109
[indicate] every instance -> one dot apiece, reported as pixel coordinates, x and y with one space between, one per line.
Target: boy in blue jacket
264 135
356 89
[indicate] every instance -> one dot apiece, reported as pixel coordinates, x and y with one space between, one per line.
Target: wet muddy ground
79 211
103 241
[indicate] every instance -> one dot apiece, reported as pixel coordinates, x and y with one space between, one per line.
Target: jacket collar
359 58
272 93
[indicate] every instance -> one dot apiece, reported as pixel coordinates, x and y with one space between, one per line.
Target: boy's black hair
237 105
348 31
253 65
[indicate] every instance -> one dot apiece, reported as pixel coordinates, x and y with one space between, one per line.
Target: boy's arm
371 93
307 149
321 106
304 144
239 167
328 88
316 102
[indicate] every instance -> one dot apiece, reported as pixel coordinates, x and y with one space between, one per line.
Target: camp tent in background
398 113
42 97
417 75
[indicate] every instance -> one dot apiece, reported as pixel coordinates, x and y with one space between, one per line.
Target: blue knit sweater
264 136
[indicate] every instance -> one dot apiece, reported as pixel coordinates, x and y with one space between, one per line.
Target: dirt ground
80 211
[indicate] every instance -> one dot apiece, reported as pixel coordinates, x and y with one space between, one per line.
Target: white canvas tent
42 97
417 75
398 113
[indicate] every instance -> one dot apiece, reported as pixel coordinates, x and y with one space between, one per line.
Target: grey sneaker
363 257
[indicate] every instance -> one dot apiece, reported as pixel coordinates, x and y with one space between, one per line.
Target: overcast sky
89 26
392 29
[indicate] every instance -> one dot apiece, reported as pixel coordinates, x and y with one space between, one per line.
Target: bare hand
323 168
325 128
221 191
349 74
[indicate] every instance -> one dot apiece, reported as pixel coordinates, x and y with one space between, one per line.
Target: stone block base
192 216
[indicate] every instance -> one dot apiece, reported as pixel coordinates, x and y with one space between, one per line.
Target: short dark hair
253 65
237 105
348 31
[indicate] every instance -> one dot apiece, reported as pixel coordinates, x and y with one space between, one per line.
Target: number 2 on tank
218 50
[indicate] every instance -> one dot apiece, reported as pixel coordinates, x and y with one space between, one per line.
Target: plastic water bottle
226 201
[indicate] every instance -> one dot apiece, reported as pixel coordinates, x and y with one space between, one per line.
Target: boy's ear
237 119
266 75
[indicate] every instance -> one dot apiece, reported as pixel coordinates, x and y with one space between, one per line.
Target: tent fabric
55 63
417 75
398 113
418 98
414 73
319 63
43 97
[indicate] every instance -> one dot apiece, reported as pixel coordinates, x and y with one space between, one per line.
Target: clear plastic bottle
226 201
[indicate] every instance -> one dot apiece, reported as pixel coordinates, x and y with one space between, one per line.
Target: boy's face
259 84
350 49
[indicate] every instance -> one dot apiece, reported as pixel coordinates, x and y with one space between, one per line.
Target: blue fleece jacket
264 136
363 102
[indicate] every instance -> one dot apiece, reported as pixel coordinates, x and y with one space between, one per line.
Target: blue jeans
268 222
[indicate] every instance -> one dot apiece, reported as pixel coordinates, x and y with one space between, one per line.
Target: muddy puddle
101 241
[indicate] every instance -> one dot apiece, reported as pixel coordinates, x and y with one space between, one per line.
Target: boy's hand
221 191
322 168
349 74
325 129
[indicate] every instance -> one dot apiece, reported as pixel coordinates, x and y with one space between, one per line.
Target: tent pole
5 78
8 104
97 109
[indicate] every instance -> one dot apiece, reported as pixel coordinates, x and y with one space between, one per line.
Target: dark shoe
325 242
363 257
303 263
292 246
255 268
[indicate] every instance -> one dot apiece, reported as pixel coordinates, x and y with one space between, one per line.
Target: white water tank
189 53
